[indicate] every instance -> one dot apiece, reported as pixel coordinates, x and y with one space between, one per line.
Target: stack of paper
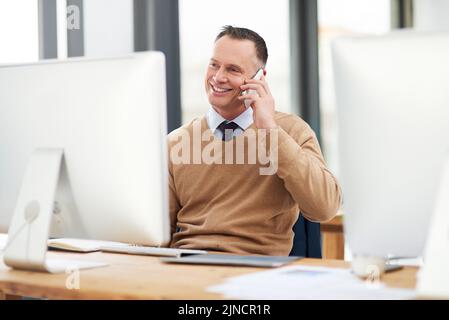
82 245
305 282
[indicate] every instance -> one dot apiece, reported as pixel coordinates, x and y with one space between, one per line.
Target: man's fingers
255 86
260 82
250 96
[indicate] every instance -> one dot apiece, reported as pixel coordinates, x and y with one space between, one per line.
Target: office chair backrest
307 240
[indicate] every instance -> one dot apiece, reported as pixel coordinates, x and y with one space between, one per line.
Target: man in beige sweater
221 197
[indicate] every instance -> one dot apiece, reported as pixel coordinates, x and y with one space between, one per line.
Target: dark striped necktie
227 129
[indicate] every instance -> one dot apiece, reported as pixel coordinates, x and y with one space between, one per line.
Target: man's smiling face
232 62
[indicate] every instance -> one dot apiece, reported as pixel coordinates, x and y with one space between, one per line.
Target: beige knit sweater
231 207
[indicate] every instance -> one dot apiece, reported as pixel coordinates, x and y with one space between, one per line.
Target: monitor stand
30 226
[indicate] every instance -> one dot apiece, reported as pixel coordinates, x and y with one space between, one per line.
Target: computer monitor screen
393 121
109 118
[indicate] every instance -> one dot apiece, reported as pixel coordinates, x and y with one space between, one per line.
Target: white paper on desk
305 282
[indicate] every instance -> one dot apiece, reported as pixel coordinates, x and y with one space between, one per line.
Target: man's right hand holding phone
258 96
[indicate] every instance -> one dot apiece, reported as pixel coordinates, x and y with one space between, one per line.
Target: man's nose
220 75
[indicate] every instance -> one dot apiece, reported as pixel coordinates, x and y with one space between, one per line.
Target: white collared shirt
214 119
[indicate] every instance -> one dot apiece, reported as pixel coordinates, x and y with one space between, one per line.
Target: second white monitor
393 121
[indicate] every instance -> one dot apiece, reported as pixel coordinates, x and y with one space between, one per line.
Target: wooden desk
143 277
333 240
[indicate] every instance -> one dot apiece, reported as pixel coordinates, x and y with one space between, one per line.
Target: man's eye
213 65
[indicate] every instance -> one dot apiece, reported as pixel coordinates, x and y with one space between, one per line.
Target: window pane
18 31
431 15
108 28
200 22
342 18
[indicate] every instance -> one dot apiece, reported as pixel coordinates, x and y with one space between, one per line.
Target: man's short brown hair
246 34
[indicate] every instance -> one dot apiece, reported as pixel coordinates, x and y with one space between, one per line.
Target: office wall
431 15
108 28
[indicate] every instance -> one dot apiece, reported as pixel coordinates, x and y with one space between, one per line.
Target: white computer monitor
393 121
108 116
433 278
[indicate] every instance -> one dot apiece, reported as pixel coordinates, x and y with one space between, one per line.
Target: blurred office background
298 34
